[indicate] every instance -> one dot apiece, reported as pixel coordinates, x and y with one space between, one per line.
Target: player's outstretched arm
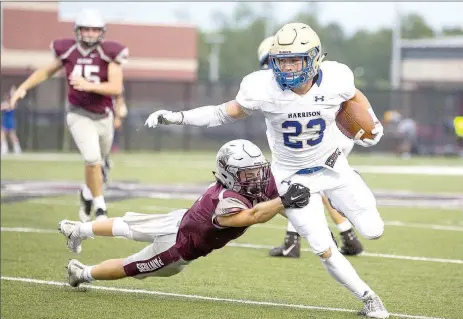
205 116
297 196
39 76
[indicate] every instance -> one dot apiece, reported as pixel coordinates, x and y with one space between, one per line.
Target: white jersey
301 130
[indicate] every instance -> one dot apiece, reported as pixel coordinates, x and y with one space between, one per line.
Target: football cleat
101 214
373 307
351 245
70 230
75 273
291 247
85 208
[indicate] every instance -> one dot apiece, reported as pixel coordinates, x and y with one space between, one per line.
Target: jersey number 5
298 130
88 71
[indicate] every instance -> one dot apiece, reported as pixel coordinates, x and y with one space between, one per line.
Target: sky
351 15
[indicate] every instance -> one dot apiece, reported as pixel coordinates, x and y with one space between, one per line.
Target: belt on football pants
311 170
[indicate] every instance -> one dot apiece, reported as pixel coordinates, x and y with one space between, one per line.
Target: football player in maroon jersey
94 76
244 194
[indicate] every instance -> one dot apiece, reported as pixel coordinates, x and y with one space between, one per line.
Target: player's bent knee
171 271
369 225
374 231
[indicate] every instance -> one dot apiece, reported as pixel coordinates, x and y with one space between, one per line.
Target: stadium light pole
214 40
396 58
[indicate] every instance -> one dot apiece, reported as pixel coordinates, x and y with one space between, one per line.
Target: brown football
354 121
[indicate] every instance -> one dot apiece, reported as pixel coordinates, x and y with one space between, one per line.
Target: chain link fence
41 117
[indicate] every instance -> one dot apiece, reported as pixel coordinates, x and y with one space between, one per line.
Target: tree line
368 53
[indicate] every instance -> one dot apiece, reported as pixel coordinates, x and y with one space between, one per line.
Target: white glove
378 130
163 117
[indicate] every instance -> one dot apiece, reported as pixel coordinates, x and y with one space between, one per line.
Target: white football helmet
89 18
263 52
242 168
294 41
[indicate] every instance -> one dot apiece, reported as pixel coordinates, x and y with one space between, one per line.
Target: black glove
297 196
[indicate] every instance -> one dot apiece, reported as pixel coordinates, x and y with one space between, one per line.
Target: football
354 121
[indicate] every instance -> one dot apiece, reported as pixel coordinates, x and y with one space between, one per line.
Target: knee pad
375 233
372 230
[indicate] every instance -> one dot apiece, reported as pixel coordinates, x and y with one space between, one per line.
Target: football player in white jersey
299 98
291 246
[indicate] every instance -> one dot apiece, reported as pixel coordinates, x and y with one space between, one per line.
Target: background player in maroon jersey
244 194
94 74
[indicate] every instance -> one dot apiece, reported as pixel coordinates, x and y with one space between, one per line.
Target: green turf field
416 267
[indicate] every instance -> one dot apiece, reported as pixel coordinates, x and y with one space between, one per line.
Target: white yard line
28 230
426 226
43 157
254 246
198 297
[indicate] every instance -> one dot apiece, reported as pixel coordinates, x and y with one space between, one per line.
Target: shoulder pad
61 46
253 90
231 203
338 77
115 51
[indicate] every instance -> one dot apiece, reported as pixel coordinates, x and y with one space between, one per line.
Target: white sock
344 226
86 230
17 148
121 228
86 192
99 202
4 148
341 270
87 273
291 228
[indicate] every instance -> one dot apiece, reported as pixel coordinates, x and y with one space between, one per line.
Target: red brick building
162 60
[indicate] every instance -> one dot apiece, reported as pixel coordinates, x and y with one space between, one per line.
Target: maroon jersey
92 64
199 233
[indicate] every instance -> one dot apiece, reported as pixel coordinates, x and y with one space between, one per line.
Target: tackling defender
94 75
244 194
299 98
291 246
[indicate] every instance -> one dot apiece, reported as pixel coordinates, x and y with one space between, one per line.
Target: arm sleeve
209 116
212 115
